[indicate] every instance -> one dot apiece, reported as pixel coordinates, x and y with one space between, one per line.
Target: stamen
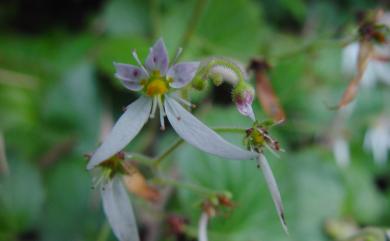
160 105
162 113
102 179
184 102
174 111
272 150
177 55
154 107
135 55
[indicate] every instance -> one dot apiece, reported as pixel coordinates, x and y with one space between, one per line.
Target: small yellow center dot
156 87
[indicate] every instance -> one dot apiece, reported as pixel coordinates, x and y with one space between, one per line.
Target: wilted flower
243 94
372 37
136 183
264 90
158 83
378 69
256 140
377 139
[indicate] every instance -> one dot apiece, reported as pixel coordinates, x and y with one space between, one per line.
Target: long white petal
202 227
125 129
117 207
273 188
199 135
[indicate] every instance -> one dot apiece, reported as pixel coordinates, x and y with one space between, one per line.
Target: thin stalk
190 186
155 17
157 161
104 232
193 23
167 152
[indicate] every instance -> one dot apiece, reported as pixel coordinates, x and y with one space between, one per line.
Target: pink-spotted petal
182 73
157 59
130 75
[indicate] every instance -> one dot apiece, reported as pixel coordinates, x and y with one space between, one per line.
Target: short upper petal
199 135
246 109
117 207
158 58
182 73
130 75
125 129
273 188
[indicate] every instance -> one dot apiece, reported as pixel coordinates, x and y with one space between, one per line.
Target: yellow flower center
257 138
156 85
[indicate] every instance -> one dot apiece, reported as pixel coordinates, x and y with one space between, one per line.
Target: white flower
157 83
377 140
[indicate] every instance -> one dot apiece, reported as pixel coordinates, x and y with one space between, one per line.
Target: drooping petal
117 207
199 135
202 227
182 73
158 58
273 188
130 75
244 105
125 129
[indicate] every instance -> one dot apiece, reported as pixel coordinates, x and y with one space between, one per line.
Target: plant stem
192 23
155 18
167 152
190 186
157 161
104 232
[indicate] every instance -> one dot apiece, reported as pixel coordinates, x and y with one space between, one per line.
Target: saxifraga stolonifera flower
257 140
157 82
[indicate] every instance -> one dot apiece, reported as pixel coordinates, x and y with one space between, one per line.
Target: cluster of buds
217 204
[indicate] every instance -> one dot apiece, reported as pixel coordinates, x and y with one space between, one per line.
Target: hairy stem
215 62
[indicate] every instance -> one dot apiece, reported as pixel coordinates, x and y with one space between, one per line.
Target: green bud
199 83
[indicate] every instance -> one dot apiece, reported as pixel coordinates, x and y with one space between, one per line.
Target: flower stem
157 161
155 17
104 232
167 152
192 23
190 186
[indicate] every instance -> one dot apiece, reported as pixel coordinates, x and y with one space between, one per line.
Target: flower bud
199 83
243 95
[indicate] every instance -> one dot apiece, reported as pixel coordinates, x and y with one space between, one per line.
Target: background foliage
57 88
